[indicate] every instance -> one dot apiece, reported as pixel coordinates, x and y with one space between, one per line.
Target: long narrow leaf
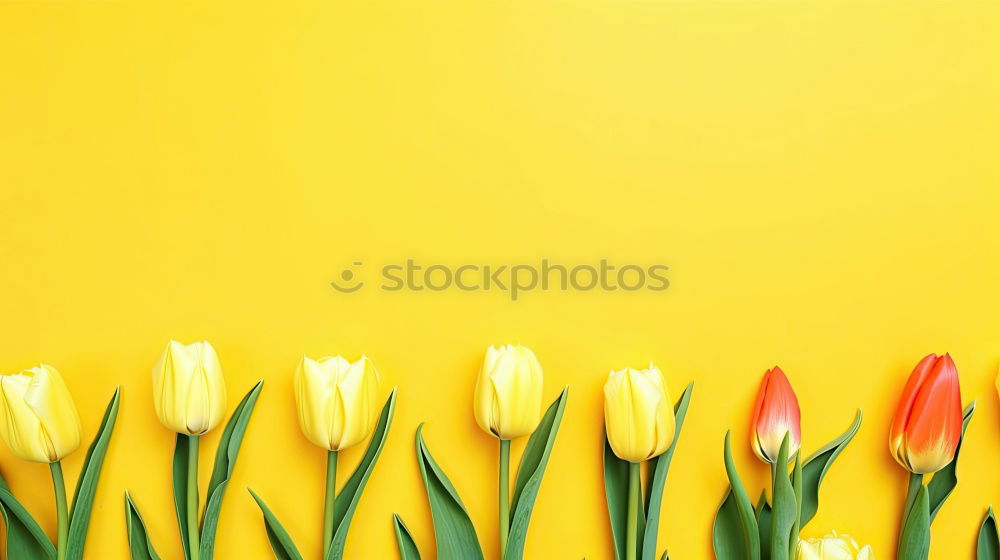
454 532
529 475
945 480
616 481
86 486
281 543
785 507
225 462
735 535
814 469
407 547
988 545
659 467
916 538
350 495
181 453
139 545
25 539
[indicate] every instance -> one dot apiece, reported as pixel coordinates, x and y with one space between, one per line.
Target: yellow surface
821 177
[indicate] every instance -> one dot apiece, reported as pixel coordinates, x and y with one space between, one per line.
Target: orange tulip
928 421
775 415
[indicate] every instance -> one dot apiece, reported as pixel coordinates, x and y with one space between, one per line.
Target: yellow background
822 177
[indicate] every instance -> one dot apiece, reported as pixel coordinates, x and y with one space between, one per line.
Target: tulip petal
934 425
776 413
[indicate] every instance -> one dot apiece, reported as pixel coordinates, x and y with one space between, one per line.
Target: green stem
194 537
331 498
632 531
916 481
504 496
774 476
62 510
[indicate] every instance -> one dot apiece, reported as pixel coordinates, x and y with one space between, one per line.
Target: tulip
927 425
832 547
508 401
776 414
508 405
337 400
639 420
40 422
189 393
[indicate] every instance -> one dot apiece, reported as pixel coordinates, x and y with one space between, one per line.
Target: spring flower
508 400
775 415
832 547
337 400
638 413
927 425
189 393
40 422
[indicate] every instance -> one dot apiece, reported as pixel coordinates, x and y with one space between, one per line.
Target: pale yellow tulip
832 547
189 392
638 413
508 400
40 422
337 400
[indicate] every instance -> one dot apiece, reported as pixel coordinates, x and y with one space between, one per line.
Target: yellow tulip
337 400
189 392
638 413
832 547
508 401
40 422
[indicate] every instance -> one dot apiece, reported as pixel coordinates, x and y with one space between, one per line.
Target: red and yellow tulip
775 415
927 425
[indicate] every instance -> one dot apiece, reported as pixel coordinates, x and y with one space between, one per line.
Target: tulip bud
927 425
638 413
832 547
775 415
40 422
189 393
337 400
508 402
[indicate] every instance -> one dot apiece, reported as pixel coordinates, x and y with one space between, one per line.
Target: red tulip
928 421
775 415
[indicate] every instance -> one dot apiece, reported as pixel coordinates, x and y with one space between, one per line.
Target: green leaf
616 492
785 506
350 495
945 480
763 513
659 466
225 462
281 543
453 530
815 466
529 475
735 535
988 547
139 545
181 453
86 486
25 539
915 543
407 548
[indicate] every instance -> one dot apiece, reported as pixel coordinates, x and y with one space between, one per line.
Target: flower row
338 405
